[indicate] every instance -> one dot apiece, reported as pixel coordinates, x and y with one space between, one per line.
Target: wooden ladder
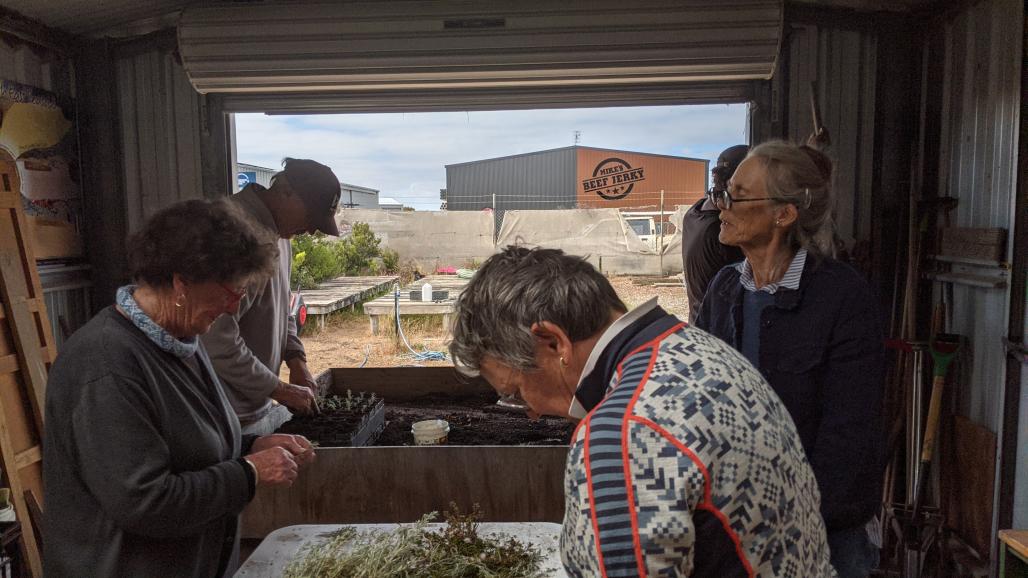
26 352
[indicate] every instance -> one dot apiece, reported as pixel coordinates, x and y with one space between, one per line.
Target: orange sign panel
634 181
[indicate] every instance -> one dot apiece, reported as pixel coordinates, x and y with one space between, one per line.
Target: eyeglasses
723 199
235 296
512 401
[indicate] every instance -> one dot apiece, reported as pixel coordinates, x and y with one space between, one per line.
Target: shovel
943 348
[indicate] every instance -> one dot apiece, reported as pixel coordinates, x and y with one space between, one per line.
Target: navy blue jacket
821 349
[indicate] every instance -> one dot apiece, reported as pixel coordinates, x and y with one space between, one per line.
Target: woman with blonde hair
811 325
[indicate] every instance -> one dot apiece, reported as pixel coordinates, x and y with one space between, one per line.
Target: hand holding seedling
297 398
275 466
301 449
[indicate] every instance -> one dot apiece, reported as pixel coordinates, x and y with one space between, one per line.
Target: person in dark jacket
144 467
703 255
811 325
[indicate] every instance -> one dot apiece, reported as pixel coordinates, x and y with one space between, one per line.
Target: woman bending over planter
685 463
142 466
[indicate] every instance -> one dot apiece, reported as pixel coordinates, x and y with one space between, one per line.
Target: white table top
270 559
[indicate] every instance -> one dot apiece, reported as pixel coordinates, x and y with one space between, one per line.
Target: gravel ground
347 336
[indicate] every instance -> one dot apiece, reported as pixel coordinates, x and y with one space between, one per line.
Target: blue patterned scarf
156 333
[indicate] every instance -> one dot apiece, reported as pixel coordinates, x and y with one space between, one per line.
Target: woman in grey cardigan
145 470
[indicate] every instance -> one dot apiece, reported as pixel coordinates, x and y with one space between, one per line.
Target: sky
404 155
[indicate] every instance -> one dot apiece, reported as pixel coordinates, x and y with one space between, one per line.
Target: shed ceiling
101 17
119 18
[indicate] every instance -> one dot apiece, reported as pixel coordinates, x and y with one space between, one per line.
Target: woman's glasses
723 199
512 401
234 296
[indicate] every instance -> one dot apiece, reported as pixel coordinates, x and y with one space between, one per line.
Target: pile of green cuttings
457 551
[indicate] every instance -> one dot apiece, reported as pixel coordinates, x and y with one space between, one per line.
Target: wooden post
660 247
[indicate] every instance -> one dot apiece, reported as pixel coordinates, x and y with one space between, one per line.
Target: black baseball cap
724 168
318 188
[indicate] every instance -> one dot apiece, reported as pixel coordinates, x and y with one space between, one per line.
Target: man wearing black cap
703 255
248 348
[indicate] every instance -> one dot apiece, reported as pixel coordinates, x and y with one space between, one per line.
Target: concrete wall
434 239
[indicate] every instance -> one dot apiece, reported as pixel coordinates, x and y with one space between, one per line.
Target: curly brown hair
200 241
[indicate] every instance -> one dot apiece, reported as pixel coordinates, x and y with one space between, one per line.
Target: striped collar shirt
791 279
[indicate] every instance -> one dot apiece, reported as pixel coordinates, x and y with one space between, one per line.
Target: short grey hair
802 176
519 287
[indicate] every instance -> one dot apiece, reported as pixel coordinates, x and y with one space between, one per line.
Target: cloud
404 155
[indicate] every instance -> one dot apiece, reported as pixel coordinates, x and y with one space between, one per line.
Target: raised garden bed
511 481
474 418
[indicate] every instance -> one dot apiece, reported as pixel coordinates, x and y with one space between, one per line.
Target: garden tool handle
932 424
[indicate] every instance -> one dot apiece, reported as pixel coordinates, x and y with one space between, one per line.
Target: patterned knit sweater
689 466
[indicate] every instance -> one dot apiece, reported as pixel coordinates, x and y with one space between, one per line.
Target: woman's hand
298 446
275 466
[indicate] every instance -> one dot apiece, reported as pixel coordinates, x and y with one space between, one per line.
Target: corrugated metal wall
980 95
68 293
539 180
843 64
34 67
352 198
160 130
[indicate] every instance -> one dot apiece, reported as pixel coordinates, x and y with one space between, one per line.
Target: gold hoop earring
563 362
778 222
180 300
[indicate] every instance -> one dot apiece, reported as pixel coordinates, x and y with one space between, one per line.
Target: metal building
246 174
356 196
576 177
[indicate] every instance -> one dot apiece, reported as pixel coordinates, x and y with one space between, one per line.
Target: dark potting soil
474 421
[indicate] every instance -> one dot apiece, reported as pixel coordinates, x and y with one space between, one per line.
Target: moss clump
415 551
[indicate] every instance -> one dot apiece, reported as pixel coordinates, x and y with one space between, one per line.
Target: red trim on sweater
707 503
640 559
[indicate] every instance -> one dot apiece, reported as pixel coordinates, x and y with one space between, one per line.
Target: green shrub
356 251
390 261
314 260
317 258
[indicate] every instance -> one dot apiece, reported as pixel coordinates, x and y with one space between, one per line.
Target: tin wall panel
534 180
980 98
160 128
537 180
36 67
842 63
68 293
